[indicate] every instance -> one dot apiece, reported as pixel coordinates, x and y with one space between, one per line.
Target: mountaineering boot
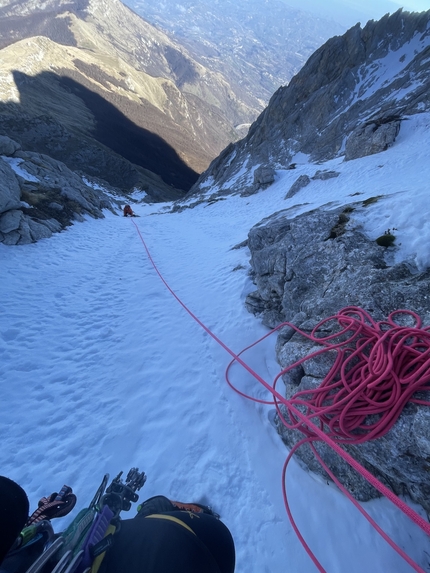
156 504
161 504
195 508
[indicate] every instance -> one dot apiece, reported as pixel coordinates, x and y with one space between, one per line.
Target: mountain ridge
369 76
190 103
256 46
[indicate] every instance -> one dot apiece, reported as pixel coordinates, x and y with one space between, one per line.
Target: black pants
13 513
160 541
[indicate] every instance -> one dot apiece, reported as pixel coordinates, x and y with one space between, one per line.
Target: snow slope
101 369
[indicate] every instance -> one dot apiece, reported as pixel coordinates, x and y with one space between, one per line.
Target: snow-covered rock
40 196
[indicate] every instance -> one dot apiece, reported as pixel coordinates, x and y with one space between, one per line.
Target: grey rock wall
316 264
10 192
372 137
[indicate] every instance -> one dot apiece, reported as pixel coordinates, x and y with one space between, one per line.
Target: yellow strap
170 518
98 560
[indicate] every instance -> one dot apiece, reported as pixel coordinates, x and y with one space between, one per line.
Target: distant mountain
349 99
92 75
258 45
80 79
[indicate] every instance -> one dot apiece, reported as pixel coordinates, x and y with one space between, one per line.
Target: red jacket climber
128 211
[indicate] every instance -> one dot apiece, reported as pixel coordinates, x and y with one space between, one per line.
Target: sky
102 369
349 12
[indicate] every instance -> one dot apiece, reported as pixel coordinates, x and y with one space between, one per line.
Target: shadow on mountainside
83 112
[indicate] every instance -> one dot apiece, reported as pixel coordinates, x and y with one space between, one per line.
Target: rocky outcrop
8 146
264 176
308 268
40 196
399 459
301 182
316 263
325 174
352 92
9 189
372 137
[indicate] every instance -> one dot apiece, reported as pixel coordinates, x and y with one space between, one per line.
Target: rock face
307 269
9 189
348 101
372 137
299 183
315 264
40 196
352 92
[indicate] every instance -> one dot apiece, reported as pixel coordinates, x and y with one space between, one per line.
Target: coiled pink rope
377 369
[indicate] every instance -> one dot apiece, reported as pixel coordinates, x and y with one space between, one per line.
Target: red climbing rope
377 368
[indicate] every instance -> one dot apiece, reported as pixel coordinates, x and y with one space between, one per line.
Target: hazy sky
349 12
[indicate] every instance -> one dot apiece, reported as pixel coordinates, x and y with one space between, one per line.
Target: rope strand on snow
377 369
